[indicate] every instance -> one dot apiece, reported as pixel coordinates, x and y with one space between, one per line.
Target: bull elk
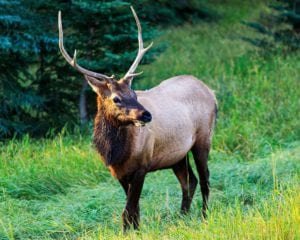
137 132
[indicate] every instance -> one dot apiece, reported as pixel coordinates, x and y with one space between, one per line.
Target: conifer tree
280 30
38 89
19 101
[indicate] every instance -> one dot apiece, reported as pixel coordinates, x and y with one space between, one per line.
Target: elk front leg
131 212
125 184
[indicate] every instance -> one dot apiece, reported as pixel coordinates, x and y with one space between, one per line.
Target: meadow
57 188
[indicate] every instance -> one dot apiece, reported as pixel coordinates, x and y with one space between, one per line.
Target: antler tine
72 61
141 50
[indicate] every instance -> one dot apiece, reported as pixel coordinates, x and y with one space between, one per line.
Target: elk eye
116 100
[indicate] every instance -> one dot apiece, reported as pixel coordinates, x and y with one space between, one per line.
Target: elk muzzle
146 117
142 117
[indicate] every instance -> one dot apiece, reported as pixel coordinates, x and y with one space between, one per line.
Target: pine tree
19 101
280 30
38 89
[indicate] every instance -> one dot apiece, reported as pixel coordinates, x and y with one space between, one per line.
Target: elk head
116 99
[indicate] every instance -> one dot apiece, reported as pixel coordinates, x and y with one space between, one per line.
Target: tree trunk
296 20
82 100
82 103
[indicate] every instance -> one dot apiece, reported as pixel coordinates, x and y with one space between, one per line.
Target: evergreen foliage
280 29
19 101
38 89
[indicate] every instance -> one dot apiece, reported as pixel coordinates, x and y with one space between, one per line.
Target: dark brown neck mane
112 142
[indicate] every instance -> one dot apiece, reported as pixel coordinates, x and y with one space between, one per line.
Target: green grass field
57 188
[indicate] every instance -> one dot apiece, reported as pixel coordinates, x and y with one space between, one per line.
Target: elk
136 132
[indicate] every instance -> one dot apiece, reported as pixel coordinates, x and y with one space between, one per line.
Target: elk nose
146 117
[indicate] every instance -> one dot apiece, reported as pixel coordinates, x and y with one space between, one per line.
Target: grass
71 196
57 188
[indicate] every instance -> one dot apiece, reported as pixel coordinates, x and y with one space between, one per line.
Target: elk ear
126 81
99 87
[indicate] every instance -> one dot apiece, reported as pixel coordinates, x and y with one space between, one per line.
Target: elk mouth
139 123
145 117
138 119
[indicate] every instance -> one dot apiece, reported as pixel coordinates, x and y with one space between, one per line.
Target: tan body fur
183 111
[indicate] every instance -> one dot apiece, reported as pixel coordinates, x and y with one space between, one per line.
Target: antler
72 61
141 50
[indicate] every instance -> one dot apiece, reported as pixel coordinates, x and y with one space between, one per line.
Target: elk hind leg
188 182
200 152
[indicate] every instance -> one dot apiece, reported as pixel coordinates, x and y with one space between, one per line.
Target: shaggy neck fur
113 142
